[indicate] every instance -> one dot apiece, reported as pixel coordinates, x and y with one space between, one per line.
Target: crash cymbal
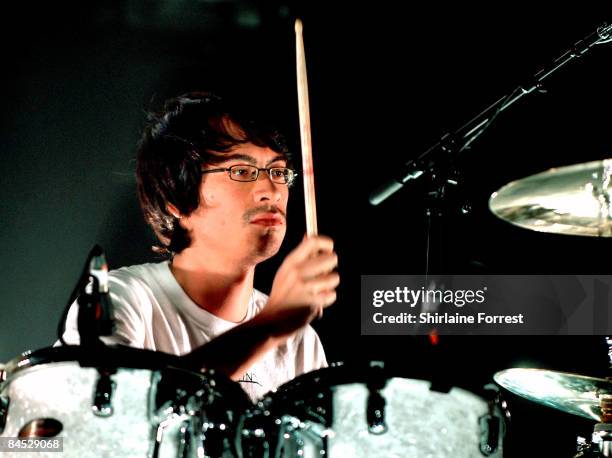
566 200
571 393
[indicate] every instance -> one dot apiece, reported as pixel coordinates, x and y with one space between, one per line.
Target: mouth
268 219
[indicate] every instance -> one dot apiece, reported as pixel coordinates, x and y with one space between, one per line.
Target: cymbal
574 199
576 394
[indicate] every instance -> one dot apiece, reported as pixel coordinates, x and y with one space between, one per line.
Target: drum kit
121 401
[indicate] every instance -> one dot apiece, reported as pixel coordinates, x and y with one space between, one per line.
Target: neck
221 288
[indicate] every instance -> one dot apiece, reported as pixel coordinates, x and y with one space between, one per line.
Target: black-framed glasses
281 175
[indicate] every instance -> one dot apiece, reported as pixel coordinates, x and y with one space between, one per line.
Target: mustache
253 212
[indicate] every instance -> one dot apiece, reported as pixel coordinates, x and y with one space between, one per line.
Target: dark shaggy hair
192 130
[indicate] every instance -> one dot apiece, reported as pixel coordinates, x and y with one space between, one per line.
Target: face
240 221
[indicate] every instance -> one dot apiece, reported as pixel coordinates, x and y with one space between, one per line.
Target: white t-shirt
153 312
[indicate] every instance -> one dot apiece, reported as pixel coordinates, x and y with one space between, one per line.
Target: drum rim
349 372
116 357
112 356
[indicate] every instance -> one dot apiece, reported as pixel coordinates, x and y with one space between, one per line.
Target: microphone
411 171
95 317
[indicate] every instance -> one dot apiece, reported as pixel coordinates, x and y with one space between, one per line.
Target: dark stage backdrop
386 80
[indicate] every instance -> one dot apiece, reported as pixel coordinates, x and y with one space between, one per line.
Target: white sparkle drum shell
153 402
331 413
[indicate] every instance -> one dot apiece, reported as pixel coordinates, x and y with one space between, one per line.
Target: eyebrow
251 159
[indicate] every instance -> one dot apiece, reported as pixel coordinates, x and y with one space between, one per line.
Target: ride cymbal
572 200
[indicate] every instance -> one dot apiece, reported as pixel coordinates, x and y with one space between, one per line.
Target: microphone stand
439 162
450 144
95 314
95 317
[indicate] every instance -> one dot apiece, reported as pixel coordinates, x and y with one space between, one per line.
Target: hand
305 282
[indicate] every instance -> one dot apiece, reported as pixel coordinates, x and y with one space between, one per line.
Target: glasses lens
281 175
243 173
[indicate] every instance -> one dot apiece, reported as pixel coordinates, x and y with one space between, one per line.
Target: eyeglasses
281 175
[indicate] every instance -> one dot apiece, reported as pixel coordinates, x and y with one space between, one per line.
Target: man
214 187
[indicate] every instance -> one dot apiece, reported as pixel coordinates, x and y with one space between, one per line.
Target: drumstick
304 111
306 141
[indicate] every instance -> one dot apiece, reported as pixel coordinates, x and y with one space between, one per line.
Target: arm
304 283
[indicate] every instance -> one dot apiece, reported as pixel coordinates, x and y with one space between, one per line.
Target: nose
266 189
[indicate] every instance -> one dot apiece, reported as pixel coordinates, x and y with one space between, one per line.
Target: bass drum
363 410
118 401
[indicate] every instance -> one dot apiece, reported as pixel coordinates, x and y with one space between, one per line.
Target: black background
386 81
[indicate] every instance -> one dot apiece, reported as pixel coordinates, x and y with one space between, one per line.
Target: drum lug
184 440
102 405
491 426
375 413
4 408
375 408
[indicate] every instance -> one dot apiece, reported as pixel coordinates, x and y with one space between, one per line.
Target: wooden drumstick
306 141
304 111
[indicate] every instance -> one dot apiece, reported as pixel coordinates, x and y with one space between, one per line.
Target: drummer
214 186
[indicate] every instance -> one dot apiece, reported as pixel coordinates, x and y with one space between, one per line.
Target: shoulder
137 287
137 276
142 272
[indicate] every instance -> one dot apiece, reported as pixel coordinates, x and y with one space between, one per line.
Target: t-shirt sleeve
310 352
129 322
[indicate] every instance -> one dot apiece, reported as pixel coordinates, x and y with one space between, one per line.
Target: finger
319 265
323 283
325 299
323 292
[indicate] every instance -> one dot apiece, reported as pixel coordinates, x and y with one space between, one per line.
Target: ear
173 211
